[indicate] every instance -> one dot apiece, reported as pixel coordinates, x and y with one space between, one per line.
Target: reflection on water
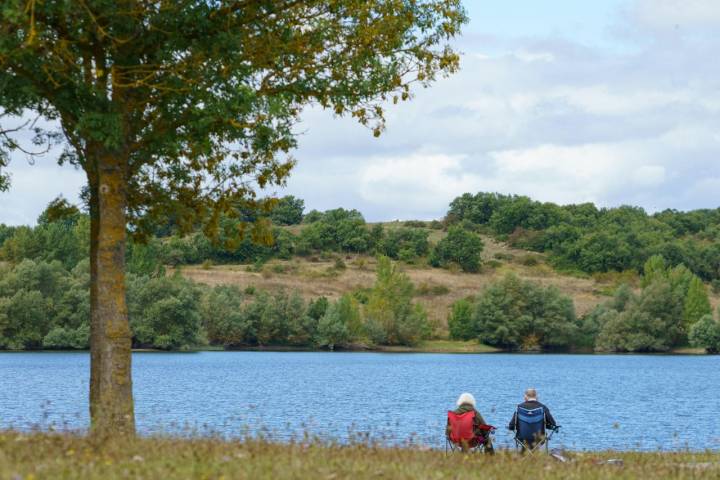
602 402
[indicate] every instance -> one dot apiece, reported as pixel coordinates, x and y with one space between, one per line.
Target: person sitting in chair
531 403
465 404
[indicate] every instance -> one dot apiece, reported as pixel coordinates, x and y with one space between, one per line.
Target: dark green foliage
583 237
517 314
460 321
405 243
659 319
340 324
318 307
164 312
288 211
223 317
651 322
705 333
44 305
337 230
460 247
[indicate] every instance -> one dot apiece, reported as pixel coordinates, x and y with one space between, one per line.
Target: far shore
430 346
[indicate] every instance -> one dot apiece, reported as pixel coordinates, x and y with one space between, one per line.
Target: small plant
340 264
529 260
360 263
507 257
250 290
426 289
415 224
436 225
493 264
279 268
207 264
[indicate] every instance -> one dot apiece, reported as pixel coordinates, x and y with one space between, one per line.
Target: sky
610 101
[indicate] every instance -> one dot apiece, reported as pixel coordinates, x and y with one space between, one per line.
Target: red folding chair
461 435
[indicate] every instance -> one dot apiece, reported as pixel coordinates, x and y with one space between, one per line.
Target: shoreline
433 346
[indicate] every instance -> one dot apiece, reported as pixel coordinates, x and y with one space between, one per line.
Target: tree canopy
186 109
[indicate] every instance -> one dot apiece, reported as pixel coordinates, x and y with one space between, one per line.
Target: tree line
44 305
65 239
671 310
589 239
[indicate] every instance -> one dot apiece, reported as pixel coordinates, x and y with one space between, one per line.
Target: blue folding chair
530 430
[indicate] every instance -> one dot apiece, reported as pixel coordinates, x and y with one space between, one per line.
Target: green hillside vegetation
331 280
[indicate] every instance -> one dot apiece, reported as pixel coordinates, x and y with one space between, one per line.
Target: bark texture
111 400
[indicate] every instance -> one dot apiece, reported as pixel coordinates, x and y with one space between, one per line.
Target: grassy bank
36 456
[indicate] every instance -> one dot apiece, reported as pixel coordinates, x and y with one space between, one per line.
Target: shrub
414 224
513 313
426 289
529 260
651 322
459 246
340 324
460 321
705 333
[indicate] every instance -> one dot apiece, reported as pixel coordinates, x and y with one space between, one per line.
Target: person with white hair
466 403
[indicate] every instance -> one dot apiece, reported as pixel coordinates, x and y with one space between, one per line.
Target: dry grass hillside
437 289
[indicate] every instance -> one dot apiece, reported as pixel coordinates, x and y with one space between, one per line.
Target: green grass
35 456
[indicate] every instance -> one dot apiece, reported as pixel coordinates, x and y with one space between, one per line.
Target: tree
460 322
514 313
182 108
459 246
288 211
339 325
392 317
651 322
697 303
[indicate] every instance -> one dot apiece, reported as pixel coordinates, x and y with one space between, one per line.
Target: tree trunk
111 400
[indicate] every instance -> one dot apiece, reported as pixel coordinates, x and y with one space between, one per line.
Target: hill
436 289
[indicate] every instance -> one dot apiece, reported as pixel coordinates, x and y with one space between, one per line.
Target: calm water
602 402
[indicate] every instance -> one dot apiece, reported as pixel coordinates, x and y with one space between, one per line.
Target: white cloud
546 117
675 14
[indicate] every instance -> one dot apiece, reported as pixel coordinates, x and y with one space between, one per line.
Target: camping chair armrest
487 428
556 428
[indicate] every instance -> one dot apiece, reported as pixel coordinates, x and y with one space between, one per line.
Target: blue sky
614 102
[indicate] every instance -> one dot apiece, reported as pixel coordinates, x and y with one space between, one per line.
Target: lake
623 402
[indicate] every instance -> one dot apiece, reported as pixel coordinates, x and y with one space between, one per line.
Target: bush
459 246
651 322
513 314
460 321
426 289
340 324
705 333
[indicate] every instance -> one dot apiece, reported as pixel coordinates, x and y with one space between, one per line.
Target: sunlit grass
68 456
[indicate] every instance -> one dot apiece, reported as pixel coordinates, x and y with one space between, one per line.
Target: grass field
38 456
